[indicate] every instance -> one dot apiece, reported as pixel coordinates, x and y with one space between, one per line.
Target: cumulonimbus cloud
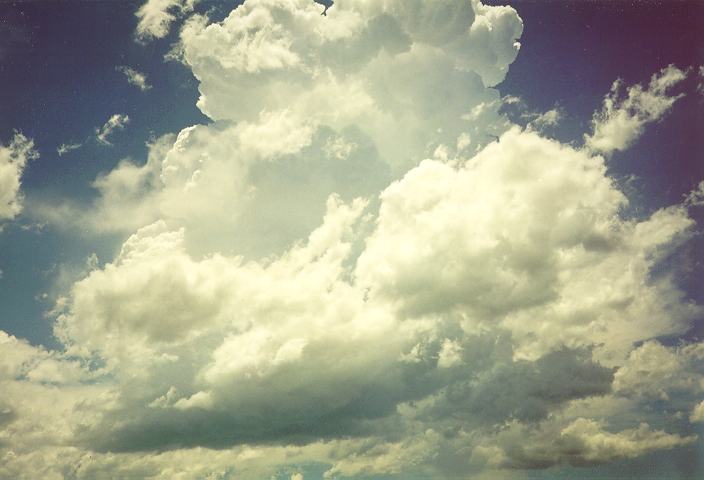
346 268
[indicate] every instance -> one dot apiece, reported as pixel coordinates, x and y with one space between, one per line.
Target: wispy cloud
624 115
67 147
695 198
138 79
156 17
116 122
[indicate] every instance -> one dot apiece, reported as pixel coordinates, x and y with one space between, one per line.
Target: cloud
358 65
135 78
221 340
345 268
116 122
64 148
287 135
22 360
546 119
697 413
156 16
42 395
622 119
524 253
516 109
582 442
695 198
13 160
657 372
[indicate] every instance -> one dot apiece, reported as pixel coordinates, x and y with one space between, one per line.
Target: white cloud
358 65
156 16
426 296
546 119
622 119
300 284
289 134
488 239
13 160
22 360
695 198
116 122
518 111
64 148
135 78
655 371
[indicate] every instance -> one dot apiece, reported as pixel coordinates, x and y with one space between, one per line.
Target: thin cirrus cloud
344 268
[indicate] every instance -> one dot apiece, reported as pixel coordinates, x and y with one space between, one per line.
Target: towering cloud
345 269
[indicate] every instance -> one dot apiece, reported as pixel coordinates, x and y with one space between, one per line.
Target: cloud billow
344 268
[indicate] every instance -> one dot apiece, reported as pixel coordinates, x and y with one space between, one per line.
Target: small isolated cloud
13 159
700 86
624 116
64 148
695 198
511 100
138 79
116 122
156 17
545 119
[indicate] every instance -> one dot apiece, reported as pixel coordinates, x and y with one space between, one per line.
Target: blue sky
339 269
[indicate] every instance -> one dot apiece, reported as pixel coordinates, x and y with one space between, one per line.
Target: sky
390 239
